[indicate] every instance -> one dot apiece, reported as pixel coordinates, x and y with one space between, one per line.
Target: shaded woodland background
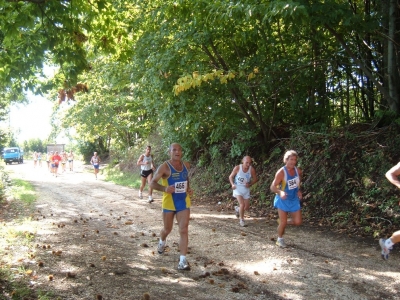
225 79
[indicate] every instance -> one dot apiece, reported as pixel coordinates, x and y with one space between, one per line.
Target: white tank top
241 177
147 160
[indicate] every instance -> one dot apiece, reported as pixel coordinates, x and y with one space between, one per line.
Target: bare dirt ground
98 239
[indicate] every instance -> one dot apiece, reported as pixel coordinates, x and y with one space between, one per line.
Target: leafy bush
344 182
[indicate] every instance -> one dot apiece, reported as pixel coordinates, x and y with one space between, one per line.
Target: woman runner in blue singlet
286 185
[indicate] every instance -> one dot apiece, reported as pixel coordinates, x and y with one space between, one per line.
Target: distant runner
39 157
71 160
56 159
95 161
146 164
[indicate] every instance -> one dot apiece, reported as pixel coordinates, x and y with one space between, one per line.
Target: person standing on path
95 161
286 186
174 175
146 164
243 176
387 244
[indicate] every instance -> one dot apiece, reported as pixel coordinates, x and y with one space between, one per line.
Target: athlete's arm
299 193
161 172
254 177
276 182
392 175
189 190
232 176
140 160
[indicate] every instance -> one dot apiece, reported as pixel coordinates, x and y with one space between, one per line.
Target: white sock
280 238
389 243
182 258
161 242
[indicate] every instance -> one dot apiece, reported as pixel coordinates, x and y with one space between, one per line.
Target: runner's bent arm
140 160
392 174
189 190
300 193
162 172
254 177
275 184
232 176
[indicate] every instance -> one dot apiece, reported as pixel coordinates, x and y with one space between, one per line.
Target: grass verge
17 233
122 178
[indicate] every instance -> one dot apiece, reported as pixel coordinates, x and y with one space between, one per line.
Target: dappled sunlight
263 267
195 215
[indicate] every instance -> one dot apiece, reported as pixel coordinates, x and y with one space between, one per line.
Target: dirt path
108 238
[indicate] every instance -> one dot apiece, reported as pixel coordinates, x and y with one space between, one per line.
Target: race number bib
181 187
241 180
292 183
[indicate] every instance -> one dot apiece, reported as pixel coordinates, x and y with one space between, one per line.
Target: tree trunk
392 75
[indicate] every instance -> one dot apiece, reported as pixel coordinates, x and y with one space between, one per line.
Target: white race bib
241 180
181 187
292 183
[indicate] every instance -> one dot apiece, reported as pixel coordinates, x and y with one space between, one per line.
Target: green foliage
88 148
344 182
33 145
4 183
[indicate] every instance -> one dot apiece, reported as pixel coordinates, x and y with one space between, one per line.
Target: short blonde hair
289 154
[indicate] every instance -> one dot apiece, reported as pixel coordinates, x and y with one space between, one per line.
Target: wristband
165 190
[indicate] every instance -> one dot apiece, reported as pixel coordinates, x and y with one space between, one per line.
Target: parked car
13 154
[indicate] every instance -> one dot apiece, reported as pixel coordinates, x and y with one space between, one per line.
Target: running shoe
161 248
385 250
140 195
237 211
242 223
184 265
281 243
150 199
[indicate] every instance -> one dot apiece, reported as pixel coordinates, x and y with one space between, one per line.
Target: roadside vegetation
17 232
344 188
225 79
344 184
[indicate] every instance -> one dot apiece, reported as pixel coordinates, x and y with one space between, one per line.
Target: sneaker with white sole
281 243
161 248
140 195
150 199
237 211
242 223
184 265
385 250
